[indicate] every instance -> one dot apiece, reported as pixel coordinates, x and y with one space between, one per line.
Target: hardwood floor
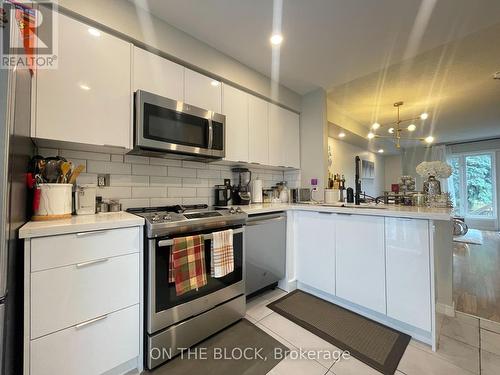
476 277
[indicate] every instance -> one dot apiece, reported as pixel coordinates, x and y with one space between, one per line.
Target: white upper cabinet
235 108
315 242
202 91
258 130
157 75
360 260
284 138
88 98
277 119
408 271
292 140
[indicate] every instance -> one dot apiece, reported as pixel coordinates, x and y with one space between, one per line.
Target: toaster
301 195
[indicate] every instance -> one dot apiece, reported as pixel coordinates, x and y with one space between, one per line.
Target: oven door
165 308
168 125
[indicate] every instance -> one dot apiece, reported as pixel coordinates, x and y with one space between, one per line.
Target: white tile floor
467 346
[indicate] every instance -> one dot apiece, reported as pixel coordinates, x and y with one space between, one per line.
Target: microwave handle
210 134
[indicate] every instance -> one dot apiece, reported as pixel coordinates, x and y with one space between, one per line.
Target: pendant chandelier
397 131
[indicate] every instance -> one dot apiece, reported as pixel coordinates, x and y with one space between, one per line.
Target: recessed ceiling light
276 39
429 139
381 151
424 116
85 87
391 130
215 83
94 32
411 127
341 134
375 126
371 135
496 75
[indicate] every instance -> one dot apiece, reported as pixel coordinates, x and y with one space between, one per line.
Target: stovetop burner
168 220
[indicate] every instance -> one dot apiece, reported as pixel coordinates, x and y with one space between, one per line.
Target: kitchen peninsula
389 263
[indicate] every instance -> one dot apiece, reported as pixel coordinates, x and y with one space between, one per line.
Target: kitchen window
473 184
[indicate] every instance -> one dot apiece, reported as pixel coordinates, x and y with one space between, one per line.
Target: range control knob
239 210
167 217
232 210
155 218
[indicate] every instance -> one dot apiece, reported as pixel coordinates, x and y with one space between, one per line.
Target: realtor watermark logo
29 34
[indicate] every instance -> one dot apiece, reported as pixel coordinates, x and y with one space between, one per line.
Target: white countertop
388 210
80 223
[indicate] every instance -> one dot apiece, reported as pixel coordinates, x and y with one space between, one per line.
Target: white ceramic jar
55 201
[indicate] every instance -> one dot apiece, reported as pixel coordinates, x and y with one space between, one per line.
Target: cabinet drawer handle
91 321
95 232
343 213
85 264
325 213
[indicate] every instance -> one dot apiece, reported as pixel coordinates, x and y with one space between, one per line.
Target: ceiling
453 83
326 42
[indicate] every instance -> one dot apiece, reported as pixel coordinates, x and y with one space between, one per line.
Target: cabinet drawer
89 349
57 251
66 296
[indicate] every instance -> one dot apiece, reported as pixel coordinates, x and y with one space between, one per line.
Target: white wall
123 17
313 140
343 163
411 157
393 170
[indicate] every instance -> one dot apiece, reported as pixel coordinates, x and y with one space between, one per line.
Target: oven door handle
170 242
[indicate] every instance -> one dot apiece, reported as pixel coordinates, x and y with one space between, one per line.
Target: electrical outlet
102 180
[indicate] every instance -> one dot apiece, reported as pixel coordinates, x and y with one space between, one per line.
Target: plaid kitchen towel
222 254
189 264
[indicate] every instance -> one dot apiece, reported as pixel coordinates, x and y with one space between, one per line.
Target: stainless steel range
174 322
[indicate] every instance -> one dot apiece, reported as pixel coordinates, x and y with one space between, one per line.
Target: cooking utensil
76 172
65 170
52 169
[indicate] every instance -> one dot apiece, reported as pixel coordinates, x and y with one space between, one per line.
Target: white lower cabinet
381 264
65 296
408 271
93 348
315 242
360 260
82 302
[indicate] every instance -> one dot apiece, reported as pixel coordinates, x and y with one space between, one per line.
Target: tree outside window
473 178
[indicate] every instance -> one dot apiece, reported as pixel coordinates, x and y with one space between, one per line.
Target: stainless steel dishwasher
265 253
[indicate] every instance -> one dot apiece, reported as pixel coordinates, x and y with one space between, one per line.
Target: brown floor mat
378 346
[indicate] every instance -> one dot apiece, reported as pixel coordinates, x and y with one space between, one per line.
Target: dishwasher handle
264 219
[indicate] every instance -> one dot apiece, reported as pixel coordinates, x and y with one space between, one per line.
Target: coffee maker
241 192
223 193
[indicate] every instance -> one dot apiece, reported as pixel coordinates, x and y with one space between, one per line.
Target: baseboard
447 310
287 286
128 368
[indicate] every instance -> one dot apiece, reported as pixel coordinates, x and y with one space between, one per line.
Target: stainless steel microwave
171 128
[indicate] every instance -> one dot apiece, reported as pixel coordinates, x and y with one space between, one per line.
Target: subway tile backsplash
138 181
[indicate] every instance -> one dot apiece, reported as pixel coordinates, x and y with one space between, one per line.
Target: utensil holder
55 202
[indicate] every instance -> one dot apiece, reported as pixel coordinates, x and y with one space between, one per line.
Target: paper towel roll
256 188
